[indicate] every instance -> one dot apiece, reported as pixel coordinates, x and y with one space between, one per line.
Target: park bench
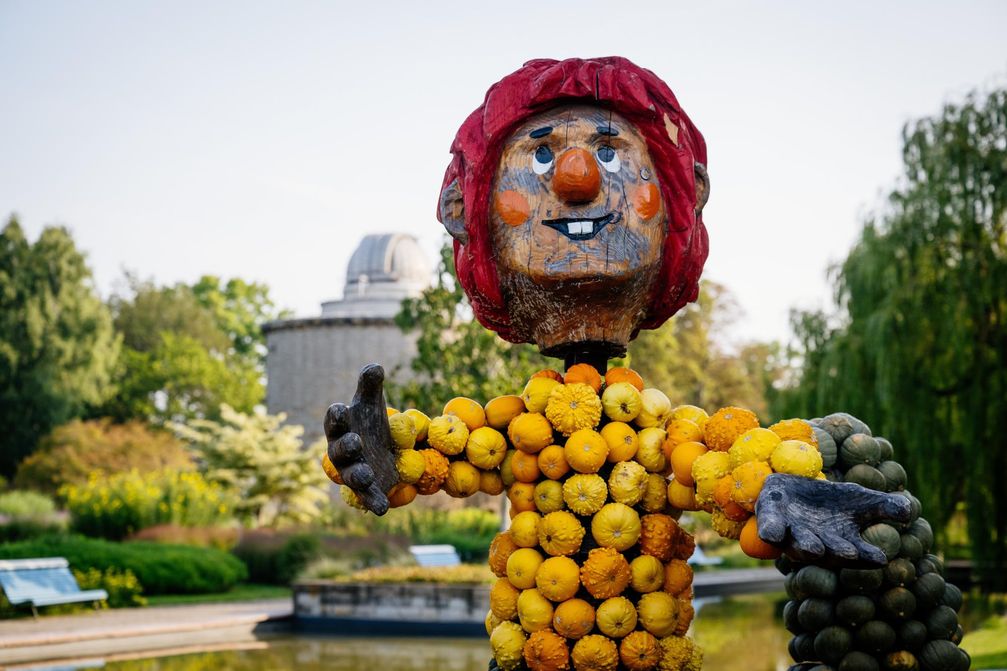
43 582
435 555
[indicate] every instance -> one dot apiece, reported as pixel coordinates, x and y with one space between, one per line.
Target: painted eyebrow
540 132
607 130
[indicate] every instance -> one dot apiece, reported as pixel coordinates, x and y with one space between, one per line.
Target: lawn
988 645
241 592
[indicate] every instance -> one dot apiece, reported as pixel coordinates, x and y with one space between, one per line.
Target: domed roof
384 269
388 257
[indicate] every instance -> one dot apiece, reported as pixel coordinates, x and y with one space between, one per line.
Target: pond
720 628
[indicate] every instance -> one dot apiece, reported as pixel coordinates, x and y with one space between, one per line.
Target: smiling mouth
582 228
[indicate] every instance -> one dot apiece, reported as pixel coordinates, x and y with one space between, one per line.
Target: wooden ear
702 187
452 211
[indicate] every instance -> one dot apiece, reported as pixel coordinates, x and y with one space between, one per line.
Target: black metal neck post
595 354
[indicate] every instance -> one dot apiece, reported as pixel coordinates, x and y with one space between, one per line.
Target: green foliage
124 590
278 559
919 348
239 309
470 530
73 451
160 568
189 349
117 505
26 505
684 359
220 537
263 463
57 345
456 355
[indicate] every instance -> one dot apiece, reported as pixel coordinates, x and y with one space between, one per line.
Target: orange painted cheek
646 200
512 207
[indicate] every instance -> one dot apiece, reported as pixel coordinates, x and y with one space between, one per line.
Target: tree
919 347
57 345
684 359
456 355
73 451
189 349
263 462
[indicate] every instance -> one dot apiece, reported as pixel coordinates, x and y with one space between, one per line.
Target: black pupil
606 154
543 154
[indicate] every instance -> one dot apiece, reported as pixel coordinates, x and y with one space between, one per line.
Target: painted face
576 198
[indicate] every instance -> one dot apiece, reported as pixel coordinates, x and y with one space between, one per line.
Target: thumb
370 386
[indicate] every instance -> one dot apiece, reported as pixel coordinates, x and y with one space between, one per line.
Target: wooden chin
567 316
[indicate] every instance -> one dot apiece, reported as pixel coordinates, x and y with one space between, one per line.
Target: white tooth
583 227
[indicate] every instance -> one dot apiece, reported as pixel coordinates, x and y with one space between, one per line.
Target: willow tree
920 347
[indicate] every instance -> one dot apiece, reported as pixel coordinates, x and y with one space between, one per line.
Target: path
127 629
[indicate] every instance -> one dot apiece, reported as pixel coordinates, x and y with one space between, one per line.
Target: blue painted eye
543 160
609 159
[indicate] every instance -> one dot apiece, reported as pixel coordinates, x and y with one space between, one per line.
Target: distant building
314 361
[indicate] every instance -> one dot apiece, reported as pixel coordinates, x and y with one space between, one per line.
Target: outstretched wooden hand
360 442
819 520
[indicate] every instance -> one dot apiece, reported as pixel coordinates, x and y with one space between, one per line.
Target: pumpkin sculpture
575 201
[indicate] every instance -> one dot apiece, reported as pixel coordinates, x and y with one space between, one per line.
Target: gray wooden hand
360 442
819 520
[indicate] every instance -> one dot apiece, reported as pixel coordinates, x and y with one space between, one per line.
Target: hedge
160 568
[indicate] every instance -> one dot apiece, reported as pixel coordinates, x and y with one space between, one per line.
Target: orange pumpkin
586 451
549 373
546 651
521 496
677 576
524 466
552 462
640 651
606 573
584 373
573 618
500 550
622 374
753 546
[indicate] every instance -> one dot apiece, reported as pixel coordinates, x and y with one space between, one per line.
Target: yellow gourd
573 407
557 579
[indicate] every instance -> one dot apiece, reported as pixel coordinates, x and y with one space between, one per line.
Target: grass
988 645
240 592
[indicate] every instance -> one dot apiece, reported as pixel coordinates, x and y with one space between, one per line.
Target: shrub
469 530
119 505
20 504
160 568
26 514
463 574
262 460
278 557
222 538
74 450
124 590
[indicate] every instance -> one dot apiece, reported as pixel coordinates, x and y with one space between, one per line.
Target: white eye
609 159
542 160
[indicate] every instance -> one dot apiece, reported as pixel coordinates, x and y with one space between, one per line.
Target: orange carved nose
576 179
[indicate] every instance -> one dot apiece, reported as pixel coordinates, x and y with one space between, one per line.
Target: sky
263 139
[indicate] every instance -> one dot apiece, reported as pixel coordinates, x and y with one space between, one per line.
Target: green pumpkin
898 603
910 547
832 644
931 563
895 475
861 581
827 446
802 648
839 425
942 656
887 451
900 572
942 623
875 637
903 660
952 597
790 621
815 614
860 448
816 581
884 536
858 661
928 590
912 635
921 529
866 476
853 611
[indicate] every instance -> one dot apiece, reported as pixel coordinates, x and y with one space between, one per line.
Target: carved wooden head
575 200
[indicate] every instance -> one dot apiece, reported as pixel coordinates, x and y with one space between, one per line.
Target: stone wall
314 362
395 609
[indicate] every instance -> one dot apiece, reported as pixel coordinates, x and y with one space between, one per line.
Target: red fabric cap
613 83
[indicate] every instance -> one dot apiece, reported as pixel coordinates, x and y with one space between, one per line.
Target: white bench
43 582
435 555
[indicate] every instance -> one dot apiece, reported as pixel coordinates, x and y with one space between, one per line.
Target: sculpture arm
363 456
